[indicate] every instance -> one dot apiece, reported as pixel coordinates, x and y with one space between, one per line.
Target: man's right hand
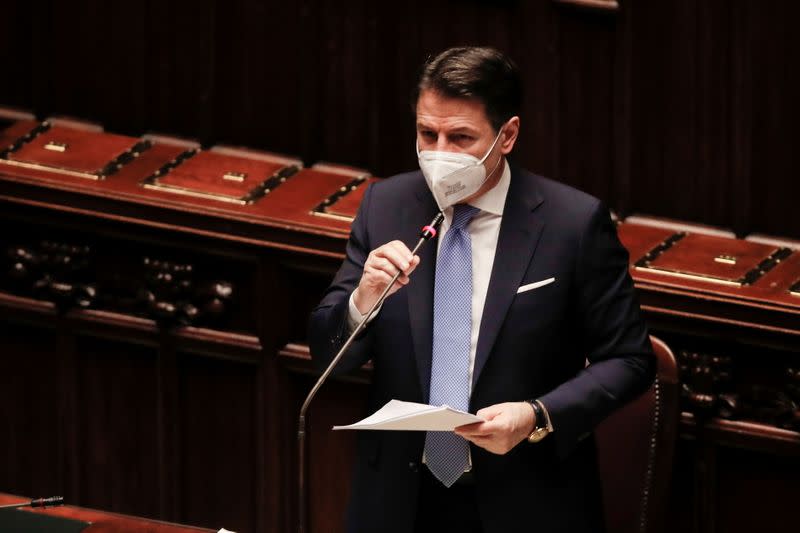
381 266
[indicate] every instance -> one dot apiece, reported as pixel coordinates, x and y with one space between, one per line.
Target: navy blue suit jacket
531 345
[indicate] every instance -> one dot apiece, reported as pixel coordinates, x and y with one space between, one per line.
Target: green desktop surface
19 521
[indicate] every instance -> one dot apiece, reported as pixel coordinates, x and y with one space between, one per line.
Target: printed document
410 416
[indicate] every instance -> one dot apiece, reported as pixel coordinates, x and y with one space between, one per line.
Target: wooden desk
103 522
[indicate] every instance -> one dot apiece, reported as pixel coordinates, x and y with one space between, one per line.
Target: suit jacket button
413 466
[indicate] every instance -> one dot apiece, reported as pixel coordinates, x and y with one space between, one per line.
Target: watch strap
541 426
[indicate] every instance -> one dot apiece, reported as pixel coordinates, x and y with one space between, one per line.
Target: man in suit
522 311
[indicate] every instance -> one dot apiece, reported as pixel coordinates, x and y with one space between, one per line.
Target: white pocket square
535 285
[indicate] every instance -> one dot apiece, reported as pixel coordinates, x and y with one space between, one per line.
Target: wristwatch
541 426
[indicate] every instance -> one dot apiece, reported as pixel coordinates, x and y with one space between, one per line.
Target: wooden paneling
776 476
116 425
711 97
29 409
672 107
217 443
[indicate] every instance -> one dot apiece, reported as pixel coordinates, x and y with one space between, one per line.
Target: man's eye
428 135
461 137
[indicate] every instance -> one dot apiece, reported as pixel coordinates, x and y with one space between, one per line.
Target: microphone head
429 231
48 502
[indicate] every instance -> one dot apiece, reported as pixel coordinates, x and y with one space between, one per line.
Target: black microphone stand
428 232
40 502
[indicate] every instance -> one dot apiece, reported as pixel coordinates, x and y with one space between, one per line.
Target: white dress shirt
484 230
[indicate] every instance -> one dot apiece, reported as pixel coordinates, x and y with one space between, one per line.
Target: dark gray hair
484 74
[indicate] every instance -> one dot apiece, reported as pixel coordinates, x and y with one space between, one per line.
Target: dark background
679 108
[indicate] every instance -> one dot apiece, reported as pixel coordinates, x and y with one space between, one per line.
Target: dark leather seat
635 449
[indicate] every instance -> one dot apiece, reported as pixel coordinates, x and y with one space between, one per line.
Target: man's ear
509 136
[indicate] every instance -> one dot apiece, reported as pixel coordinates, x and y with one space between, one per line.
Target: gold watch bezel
537 435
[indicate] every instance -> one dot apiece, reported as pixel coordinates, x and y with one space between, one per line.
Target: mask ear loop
489 151
482 161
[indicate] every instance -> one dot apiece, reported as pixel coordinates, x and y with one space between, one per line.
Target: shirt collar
494 200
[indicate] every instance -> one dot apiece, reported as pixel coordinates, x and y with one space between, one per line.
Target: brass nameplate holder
154 182
644 264
322 209
56 146
238 177
725 259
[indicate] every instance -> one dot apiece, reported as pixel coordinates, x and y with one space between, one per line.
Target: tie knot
462 214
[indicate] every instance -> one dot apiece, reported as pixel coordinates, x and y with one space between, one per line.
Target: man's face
453 125
460 125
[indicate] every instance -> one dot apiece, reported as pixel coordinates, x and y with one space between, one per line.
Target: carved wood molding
66 274
218 344
742 434
716 386
54 271
296 358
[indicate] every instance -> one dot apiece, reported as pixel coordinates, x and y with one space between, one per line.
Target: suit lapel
420 290
519 234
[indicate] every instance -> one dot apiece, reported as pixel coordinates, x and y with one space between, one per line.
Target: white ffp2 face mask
453 176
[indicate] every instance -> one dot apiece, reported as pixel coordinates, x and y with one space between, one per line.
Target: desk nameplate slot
54 146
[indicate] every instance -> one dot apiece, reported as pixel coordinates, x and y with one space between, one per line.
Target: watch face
537 435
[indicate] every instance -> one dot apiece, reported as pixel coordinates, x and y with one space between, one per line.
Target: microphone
428 232
52 501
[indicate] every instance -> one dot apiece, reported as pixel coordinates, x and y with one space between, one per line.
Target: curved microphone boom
428 232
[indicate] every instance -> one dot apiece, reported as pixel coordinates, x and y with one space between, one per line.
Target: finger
480 435
496 446
377 278
394 254
476 438
483 442
398 254
383 264
401 247
405 277
482 429
488 413
472 438
466 428
412 265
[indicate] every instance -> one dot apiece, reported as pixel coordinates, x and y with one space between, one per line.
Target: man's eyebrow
456 130
464 129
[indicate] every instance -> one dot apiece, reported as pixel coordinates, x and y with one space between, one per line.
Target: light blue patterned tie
447 454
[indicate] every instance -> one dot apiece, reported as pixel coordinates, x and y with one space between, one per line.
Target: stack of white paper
410 416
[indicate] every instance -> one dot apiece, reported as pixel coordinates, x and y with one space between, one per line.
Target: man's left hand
505 425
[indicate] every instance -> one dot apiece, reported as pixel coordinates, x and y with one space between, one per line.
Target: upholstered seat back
635 449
